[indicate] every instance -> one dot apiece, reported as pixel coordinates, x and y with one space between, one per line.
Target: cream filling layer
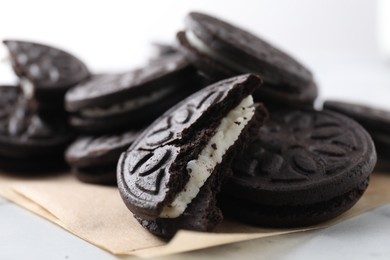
27 87
202 47
201 168
127 106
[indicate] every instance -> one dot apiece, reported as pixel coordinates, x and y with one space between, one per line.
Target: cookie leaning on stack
171 174
220 50
45 72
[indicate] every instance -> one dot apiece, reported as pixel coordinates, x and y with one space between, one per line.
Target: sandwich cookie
28 141
375 121
94 159
171 174
303 168
115 102
220 50
45 72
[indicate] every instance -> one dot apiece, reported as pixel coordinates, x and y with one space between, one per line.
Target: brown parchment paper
98 215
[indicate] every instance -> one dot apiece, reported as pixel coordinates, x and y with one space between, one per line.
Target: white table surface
24 235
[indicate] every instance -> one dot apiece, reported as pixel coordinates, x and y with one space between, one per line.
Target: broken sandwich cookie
171 174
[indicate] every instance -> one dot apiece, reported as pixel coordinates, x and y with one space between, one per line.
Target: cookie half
115 102
303 168
171 174
220 50
45 72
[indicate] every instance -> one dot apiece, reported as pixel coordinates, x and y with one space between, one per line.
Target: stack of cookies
33 126
222 124
220 153
109 110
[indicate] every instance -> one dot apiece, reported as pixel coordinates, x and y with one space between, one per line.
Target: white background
336 39
115 34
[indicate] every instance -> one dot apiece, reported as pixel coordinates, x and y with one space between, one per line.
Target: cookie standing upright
303 168
220 50
169 177
114 102
45 71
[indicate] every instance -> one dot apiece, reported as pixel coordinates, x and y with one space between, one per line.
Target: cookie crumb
237 123
214 146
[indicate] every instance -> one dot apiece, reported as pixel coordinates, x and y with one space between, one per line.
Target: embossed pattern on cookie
153 170
45 66
23 132
304 167
301 150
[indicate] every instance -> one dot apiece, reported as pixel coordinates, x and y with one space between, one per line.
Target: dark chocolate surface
303 157
108 89
304 167
376 121
291 216
373 119
47 67
24 133
232 41
89 151
281 73
150 173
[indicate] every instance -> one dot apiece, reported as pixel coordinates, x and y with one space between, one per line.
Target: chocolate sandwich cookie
29 141
220 50
45 71
113 102
94 159
303 168
375 121
171 174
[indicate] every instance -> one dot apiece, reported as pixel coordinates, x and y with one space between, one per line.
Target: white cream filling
200 46
27 87
201 168
127 106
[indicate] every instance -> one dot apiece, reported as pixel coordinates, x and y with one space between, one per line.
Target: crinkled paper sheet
98 215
